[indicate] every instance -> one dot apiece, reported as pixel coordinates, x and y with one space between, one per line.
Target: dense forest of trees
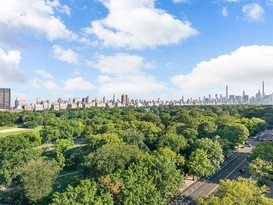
123 155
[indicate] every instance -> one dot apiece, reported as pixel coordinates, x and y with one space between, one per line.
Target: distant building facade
5 98
20 102
124 99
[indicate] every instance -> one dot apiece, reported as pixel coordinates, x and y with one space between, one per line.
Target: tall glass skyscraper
5 98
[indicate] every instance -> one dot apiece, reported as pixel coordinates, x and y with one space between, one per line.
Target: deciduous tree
37 178
199 165
238 192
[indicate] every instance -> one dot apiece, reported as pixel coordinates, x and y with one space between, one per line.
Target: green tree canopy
37 178
97 141
87 192
135 137
206 129
199 164
264 151
213 149
173 141
112 157
261 168
153 182
11 166
234 133
238 192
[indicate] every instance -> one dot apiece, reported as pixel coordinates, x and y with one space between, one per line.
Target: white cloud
137 24
66 55
124 73
48 84
136 85
121 63
34 17
243 69
65 10
60 8
181 1
253 12
232 0
44 74
77 83
9 67
70 84
225 12
103 79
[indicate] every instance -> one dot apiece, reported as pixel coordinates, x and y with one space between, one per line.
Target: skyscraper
5 98
19 102
226 92
124 99
263 93
114 98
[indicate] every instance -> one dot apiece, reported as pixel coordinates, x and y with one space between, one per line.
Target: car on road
242 171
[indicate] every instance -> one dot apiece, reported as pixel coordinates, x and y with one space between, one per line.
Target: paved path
68 174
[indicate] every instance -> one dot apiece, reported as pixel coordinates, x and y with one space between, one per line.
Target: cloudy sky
144 48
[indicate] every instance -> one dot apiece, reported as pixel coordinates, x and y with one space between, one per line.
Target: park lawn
36 129
49 155
65 181
8 127
13 133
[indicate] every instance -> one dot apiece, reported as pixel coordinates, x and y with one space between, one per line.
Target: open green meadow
5 131
8 127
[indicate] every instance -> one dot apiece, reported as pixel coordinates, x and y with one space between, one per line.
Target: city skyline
147 49
261 97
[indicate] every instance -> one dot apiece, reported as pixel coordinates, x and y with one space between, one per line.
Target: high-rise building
88 99
263 92
124 99
258 96
59 100
38 100
226 92
114 98
5 98
245 99
19 102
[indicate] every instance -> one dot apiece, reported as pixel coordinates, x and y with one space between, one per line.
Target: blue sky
144 48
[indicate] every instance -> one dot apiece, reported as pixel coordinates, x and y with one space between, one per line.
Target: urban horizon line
20 102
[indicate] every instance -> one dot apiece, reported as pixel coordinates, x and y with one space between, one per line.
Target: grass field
14 130
8 127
